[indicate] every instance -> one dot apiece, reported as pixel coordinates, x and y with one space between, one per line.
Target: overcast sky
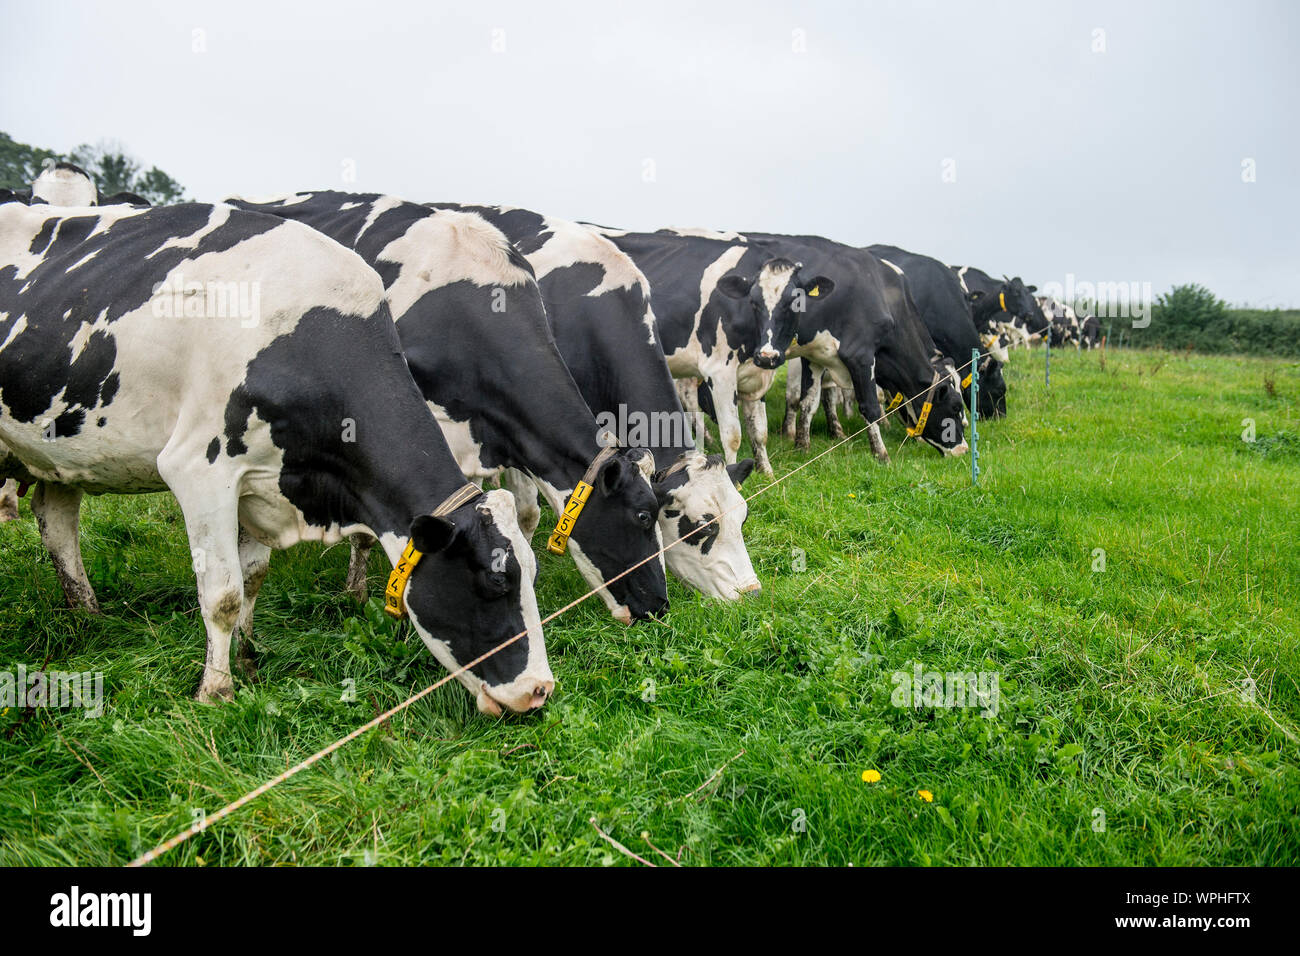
1123 163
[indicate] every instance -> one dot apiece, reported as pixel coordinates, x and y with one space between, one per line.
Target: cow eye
644 518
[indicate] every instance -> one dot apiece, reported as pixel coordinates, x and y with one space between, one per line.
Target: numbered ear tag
558 542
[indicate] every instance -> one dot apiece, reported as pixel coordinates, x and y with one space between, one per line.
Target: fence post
1047 373
974 416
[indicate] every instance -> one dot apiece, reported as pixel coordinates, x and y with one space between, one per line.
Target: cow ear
740 471
1032 288
430 534
976 297
734 286
612 475
817 288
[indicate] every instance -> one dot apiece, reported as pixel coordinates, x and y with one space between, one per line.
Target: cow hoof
803 444
216 694
7 514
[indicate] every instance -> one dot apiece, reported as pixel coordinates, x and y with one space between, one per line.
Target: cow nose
767 357
750 589
540 693
956 450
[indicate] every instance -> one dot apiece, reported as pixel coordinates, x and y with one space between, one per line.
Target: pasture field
1149 713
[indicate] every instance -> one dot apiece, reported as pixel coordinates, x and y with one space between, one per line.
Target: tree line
109 165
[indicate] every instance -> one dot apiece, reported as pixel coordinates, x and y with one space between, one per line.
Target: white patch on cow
82 261
216 219
772 281
824 350
377 209
961 277
446 247
349 205
571 243
891 265
282 199
726 572
699 232
460 439
64 187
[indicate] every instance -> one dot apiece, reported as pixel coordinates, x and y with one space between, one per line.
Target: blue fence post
1047 374
974 416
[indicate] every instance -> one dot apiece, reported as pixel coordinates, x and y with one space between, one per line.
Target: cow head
619 528
695 491
63 184
944 425
992 388
472 591
775 299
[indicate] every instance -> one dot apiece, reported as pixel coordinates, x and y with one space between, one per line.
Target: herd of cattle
324 365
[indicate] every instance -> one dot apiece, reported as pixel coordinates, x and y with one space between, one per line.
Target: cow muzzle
519 696
767 357
956 451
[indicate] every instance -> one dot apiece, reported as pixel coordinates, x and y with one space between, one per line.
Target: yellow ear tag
815 291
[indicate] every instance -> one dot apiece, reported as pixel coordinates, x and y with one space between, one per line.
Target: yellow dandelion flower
870 776
925 795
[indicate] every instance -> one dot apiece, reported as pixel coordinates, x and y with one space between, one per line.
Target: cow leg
358 560
864 385
688 390
58 516
723 387
811 381
525 491
8 501
211 511
831 399
254 562
755 411
793 390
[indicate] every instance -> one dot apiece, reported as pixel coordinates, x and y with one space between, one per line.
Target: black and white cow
1089 332
250 366
473 326
869 333
946 312
726 309
1066 326
598 304
1005 306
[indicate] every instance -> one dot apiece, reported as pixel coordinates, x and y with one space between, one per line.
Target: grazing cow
249 365
946 312
1065 324
1089 332
1005 307
598 307
473 326
869 333
725 309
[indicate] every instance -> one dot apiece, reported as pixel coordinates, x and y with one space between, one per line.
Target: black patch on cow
703 539
214 449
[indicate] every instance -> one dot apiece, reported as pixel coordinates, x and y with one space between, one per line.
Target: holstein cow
869 333
725 309
250 366
473 326
1006 307
598 306
946 313
59 184
1065 324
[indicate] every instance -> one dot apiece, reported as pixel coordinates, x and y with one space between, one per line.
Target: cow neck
987 308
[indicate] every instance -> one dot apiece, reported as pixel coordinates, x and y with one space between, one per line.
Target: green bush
1193 317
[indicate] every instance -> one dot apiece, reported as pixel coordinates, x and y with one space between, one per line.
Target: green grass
1121 691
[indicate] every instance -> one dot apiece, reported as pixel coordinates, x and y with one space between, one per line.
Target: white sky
1124 165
